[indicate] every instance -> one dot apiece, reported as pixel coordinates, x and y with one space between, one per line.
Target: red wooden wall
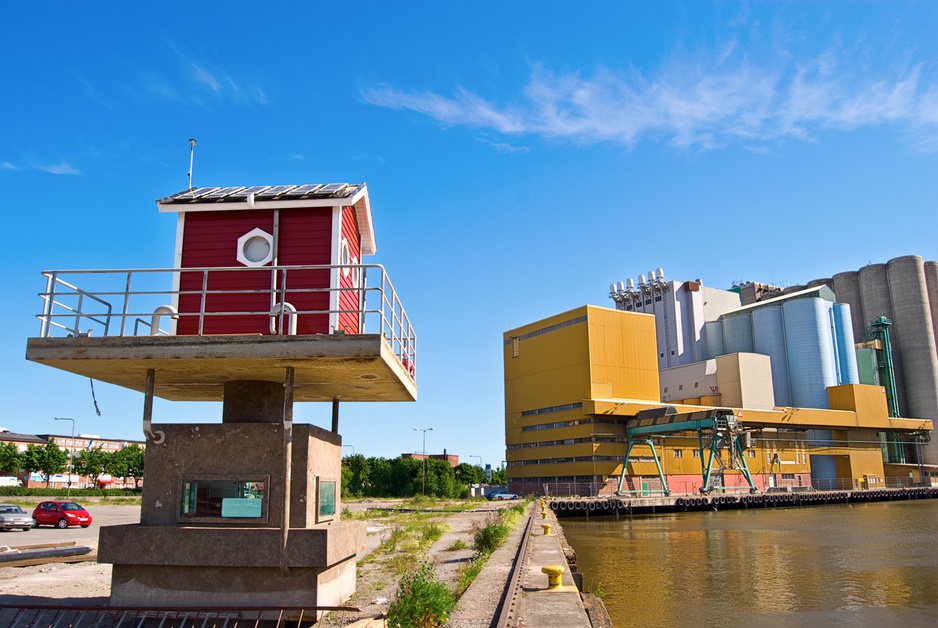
210 239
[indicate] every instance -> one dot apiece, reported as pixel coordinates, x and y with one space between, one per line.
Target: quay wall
625 505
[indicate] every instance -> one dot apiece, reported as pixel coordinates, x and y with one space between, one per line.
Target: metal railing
77 616
133 302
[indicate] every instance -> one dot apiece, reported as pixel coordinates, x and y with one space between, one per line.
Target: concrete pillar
251 401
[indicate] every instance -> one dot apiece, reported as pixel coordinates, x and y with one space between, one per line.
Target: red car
61 514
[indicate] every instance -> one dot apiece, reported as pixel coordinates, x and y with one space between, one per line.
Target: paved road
101 515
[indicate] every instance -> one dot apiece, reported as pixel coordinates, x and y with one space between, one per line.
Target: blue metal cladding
846 353
713 334
810 344
737 333
768 333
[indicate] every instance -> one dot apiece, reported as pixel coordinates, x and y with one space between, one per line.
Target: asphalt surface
88 537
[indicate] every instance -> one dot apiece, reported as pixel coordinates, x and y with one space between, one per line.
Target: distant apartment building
73 446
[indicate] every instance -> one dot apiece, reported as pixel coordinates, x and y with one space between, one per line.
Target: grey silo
931 282
874 297
847 288
915 335
818 282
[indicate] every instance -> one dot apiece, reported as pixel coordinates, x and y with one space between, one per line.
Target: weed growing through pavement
422 601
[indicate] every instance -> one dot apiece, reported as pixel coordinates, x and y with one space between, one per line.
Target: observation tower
268 303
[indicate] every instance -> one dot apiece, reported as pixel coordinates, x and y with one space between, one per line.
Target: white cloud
205 77
688 105
62 168
6 165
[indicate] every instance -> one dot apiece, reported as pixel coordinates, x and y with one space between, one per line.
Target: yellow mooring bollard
543 514
553 575
546 527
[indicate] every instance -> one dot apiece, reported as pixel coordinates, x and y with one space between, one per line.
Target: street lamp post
353 448
68 490
423 486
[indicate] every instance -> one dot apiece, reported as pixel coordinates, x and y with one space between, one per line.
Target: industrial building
828 332
904 290
580 386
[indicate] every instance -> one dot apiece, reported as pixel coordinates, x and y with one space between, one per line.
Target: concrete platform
538 605
360 367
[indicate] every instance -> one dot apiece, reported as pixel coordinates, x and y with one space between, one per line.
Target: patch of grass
422 601
432 532
457 545
468 572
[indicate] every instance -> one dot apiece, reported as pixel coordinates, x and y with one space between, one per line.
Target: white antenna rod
191 153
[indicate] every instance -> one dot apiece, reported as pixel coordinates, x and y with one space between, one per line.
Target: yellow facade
573 381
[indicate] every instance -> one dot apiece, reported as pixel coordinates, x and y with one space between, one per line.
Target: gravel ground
88 583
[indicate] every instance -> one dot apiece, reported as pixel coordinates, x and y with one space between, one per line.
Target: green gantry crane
717 429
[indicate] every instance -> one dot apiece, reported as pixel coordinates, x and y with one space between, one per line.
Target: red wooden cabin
249 245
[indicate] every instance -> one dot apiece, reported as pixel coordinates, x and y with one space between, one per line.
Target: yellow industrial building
580 385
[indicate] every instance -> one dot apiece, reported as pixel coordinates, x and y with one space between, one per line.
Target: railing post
202 303
125 306
47 306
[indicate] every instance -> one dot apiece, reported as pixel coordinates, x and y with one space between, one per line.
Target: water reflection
853 565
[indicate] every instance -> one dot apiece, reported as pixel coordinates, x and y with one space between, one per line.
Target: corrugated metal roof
262 193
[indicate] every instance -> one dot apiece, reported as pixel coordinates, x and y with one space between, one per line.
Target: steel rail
506 604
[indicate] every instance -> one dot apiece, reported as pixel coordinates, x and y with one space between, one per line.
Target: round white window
256 249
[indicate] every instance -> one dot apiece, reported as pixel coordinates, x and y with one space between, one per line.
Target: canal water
845 565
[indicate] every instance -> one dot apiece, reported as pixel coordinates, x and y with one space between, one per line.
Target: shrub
490 536
422 601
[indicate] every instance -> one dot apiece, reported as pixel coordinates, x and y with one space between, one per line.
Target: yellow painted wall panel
869 402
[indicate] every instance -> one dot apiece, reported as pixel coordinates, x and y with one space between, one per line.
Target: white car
13 517
500 495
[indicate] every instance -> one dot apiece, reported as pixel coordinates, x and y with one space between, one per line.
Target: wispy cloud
690 105
191 80
62 168
6 165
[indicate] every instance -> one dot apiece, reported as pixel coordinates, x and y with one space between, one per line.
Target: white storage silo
810 346
914 334
768 337
737 333
843 337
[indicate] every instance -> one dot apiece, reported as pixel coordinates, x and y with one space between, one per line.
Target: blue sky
520 157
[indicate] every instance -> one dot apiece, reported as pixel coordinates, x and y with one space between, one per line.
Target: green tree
47 460
358 477
11 460
92 463
499 476
127 463
470 474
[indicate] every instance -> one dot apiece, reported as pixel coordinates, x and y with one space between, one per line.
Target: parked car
61 513
500 495
13 517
